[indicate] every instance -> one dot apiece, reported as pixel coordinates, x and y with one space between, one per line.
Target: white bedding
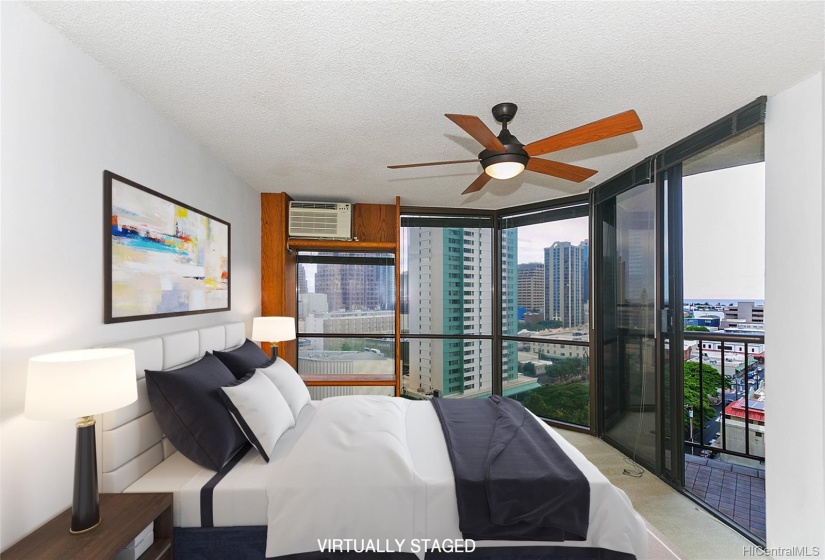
365 467
240 498
376 469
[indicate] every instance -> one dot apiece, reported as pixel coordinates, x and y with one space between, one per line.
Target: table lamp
273 330
80 384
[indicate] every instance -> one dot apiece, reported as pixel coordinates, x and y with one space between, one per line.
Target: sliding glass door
626 321
685 405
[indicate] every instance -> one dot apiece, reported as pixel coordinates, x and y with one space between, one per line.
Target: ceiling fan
505 157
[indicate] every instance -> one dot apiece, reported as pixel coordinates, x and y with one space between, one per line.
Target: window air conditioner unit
320 220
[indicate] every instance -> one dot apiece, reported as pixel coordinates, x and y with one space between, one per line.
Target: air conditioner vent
321 205
321 220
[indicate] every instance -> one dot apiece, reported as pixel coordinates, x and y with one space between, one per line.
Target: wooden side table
123 517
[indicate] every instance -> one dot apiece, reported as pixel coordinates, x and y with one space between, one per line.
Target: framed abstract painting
163 258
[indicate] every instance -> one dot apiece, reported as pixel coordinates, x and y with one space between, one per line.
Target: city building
734 351
311 303
354 287
350 322
565 268
531 286
744 312
302 279
736 430
449 271
710 323
509 309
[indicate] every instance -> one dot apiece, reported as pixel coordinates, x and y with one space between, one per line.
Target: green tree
569 402
565 370
530 369
696 328
711 383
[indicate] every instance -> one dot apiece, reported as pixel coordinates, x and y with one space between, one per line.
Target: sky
533 239
724 233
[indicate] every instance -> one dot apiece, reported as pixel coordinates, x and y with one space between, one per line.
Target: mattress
239 499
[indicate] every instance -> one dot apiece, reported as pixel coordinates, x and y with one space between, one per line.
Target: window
453 315
448 335
545 300
346 317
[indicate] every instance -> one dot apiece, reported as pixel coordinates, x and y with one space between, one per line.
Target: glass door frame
670 304
669 451
641 175
665 169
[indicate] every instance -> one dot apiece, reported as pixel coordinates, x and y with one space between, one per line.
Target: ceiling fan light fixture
504 166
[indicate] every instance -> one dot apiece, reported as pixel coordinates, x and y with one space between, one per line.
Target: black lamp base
85 505
274 350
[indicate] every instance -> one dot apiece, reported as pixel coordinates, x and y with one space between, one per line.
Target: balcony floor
736 491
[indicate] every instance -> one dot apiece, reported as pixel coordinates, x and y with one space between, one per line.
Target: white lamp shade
273 329
80 383
504 169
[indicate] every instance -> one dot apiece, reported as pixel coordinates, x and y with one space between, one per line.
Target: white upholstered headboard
130 442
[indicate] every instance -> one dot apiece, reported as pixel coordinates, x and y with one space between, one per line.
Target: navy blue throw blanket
512 480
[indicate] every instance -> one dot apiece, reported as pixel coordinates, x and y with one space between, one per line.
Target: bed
305 503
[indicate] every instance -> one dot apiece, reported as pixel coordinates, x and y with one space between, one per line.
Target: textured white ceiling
317 98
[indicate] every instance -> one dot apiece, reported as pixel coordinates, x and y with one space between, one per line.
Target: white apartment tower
449 286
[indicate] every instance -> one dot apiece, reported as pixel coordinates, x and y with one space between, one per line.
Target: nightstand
123 517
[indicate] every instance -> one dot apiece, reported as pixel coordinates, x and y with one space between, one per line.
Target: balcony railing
750 411
735 485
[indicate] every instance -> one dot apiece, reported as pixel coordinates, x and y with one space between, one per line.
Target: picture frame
162 257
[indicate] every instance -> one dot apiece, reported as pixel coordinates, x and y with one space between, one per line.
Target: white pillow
290 384
260 411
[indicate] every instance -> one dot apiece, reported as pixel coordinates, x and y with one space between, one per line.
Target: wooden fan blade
598 130
473 126
561 170
432 163
478 184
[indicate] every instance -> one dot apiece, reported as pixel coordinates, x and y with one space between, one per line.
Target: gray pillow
244 359
190 411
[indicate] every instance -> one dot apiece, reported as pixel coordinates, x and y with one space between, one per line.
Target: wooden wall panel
278 268
374 222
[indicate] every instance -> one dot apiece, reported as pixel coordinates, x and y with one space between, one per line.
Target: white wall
794 291
64 120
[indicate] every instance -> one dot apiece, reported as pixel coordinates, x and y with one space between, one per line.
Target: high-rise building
449 281
509 303
356 287
585 247
302 279
531 286
564 272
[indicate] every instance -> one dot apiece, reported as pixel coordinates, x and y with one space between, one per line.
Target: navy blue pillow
244 359
188 406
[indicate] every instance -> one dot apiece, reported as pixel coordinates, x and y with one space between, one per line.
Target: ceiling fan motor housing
515 150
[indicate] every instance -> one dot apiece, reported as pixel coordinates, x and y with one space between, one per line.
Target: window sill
348 380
